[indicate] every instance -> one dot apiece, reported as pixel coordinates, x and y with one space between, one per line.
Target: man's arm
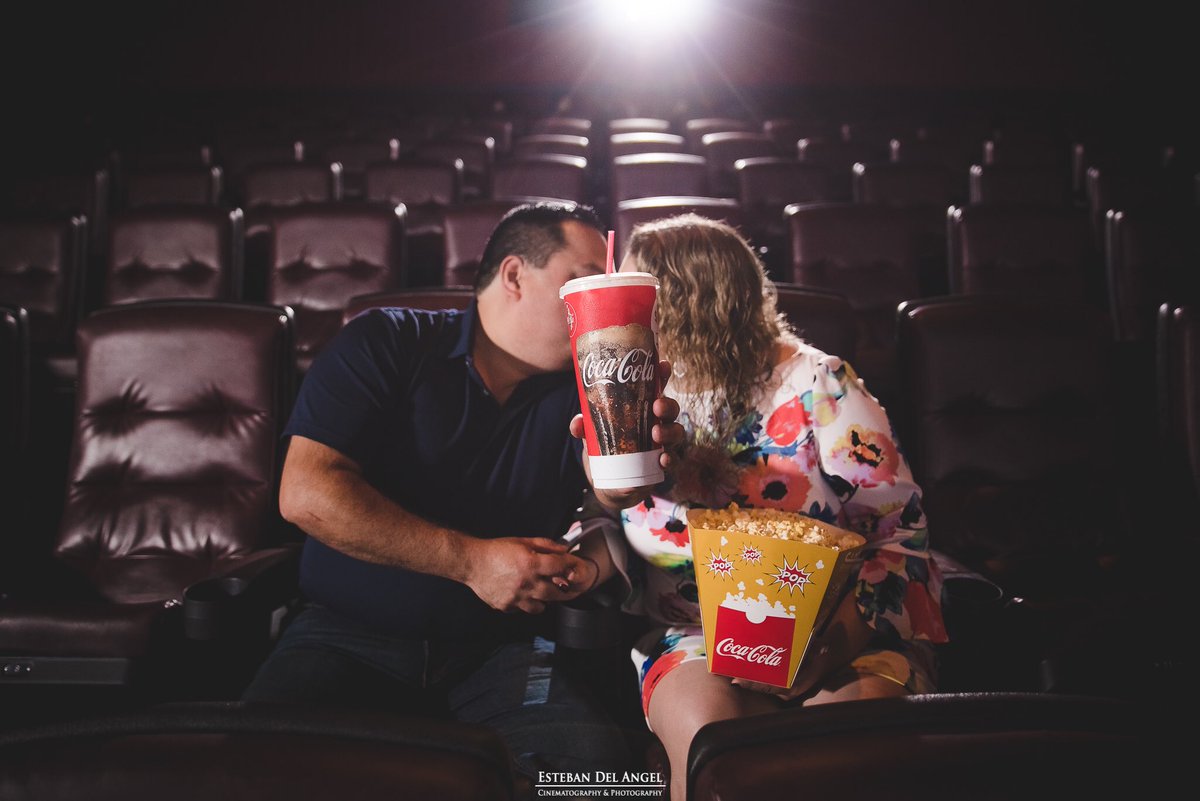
324 493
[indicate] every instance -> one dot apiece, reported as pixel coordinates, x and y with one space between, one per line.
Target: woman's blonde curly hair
717 319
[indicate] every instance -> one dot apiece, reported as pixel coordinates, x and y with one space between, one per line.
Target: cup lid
605 280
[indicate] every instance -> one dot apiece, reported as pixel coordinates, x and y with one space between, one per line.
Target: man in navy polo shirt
431 466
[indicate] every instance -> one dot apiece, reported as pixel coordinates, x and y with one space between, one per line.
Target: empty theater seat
323 255
173 252
1019 184
272 185
1178 344
467 229
477 154
42 263
1151 255
942 747
624 144
656 174
766 186
548 175
14 433
203 751
426 190
721 151
1041 251
822 318
198 185
874 256
174 462
907 183
646 209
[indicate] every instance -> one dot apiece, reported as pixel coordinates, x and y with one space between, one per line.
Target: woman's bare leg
689 697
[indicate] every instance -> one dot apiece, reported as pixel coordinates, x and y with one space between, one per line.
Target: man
431 466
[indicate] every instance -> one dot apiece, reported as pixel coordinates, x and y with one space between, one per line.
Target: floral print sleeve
899 587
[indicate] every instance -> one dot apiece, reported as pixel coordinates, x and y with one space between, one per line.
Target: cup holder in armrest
208 606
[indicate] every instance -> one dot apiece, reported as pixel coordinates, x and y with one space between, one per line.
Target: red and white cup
610 318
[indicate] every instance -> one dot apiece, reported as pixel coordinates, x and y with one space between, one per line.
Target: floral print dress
817 443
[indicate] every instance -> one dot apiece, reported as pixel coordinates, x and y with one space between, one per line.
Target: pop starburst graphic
720 565
791 576
751 555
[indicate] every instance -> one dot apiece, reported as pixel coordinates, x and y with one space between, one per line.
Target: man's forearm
345 512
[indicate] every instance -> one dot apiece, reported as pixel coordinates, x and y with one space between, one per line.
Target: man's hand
666 432
525 573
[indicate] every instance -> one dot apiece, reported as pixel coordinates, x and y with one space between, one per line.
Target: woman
771 422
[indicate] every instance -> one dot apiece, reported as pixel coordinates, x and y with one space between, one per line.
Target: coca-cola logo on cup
754 654
634 367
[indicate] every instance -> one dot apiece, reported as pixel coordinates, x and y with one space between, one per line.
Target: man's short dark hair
532 231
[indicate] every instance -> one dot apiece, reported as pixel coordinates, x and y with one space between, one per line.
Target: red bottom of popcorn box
757 651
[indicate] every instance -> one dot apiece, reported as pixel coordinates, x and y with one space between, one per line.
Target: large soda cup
610 318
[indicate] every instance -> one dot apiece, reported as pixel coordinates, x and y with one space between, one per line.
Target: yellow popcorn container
763 596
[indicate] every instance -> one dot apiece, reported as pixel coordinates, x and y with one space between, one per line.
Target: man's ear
510 274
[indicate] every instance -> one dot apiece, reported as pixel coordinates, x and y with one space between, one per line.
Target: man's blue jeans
510 685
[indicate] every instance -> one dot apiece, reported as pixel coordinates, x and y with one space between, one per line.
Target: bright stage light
655 18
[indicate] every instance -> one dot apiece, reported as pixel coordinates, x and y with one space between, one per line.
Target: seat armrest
247 599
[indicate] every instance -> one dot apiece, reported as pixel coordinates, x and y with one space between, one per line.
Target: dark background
59 57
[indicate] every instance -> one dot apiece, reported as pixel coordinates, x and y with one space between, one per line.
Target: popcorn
777 524
799 569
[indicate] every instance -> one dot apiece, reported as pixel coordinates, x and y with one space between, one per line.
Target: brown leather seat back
646 209
291 184
873 255
468 227
903 183
174 454
561 144
199 751
1042 251
821 318
197 185
723 148
630 142
1004 398
42 270
14 422
1179 392
173 252
1151 256
321 255
839 157
952 746
478 156
555 176
1019 184
658 174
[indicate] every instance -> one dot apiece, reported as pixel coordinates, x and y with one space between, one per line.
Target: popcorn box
763 597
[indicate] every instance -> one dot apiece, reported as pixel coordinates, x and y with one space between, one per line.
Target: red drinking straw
608 264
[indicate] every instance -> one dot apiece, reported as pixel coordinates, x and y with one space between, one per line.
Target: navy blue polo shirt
396 391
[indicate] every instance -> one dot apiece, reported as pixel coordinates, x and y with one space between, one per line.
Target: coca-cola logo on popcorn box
762 596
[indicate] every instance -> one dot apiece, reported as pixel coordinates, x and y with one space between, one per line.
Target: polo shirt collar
466 331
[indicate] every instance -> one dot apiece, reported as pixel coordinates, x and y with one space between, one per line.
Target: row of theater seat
169 561
314 257
739 164
1013 413
943 747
